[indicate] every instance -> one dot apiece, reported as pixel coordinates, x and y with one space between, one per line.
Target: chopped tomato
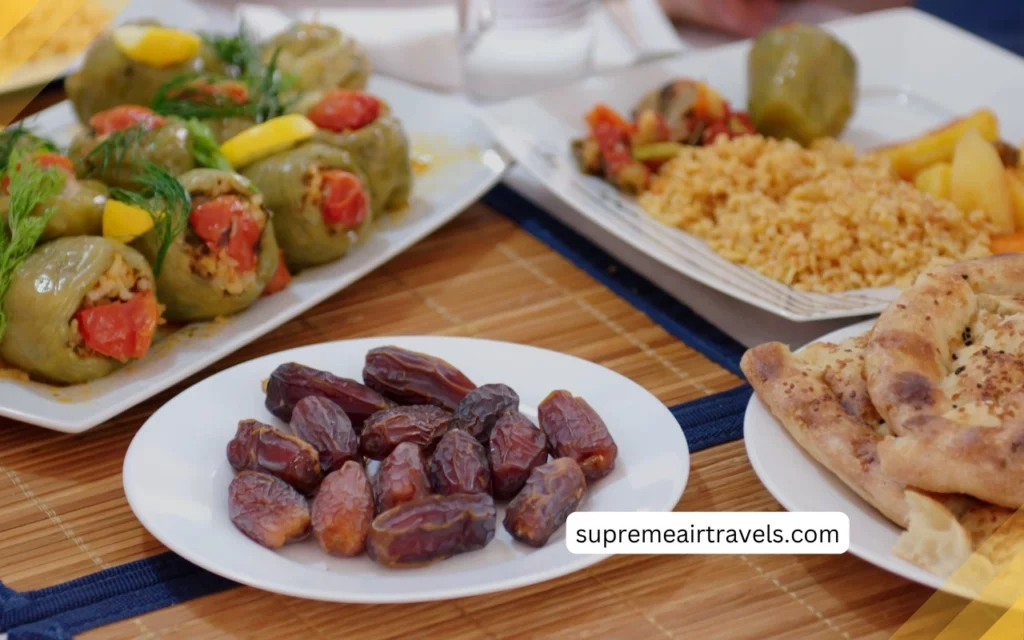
281 276
120 330
122 117
343 200
224 222
233 90
44 160
341 110
612 133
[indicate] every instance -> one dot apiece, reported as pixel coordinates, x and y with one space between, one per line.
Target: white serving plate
799 483
915 73
176 473
466 165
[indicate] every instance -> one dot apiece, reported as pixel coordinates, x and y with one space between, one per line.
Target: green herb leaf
18 137
204 147
166 200
272 91
112 151
30 185
240 51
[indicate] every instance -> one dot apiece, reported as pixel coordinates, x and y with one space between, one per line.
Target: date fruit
432 528
291 382
401 477
574 430
516 447
324 425
261 447
267 510
553 491
479 411
408 377
459 465
422 425
343 511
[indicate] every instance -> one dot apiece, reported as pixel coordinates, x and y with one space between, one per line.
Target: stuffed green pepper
364 126
320 202
76 210
221 260
120 139
77 309
319 57
128 64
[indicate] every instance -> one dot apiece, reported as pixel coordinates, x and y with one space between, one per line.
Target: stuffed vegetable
320 201
222 258
120 139
77 309
77 210
128 70
364 126
319 57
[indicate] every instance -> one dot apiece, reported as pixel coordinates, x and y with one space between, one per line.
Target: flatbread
945 369
820 396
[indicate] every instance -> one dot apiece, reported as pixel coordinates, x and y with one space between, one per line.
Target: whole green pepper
167 146
319 57
45 293
224 129
186 295
301 232
802 83
109 78
18 138
383 150
78 210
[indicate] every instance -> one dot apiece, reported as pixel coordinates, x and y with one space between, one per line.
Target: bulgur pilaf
823 219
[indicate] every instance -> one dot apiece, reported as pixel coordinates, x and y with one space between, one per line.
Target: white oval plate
176 474
799 483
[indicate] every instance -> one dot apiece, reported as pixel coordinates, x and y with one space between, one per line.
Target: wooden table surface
63 513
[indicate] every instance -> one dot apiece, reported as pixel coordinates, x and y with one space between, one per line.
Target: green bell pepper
78 210
45 293
167 146
109 78
319 57
306 239
186 295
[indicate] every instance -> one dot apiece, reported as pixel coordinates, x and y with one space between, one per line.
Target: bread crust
938 375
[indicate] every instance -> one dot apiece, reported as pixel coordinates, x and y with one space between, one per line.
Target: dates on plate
432 528
553 491
261 447
324 425
291 382
408 377
422 425
267 510
574 430
401 477
479 411
459 465
516 447
343 510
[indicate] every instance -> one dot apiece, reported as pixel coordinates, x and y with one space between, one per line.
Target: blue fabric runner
136 588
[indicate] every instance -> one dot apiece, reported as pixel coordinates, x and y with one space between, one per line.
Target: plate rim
581 561
87 419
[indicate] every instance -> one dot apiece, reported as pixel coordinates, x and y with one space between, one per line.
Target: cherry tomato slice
122 117
341 110
44 160
281 276
343 200
223 221
120 330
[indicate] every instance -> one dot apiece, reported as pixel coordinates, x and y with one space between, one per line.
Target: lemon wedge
156 46
267 138
124 222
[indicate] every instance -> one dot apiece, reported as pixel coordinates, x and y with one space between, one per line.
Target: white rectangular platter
465 165
915 73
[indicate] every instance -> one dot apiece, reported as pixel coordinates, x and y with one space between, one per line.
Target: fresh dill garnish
30 185
203 146
183 96
19 137
240 51
113 150
273 89
166 200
